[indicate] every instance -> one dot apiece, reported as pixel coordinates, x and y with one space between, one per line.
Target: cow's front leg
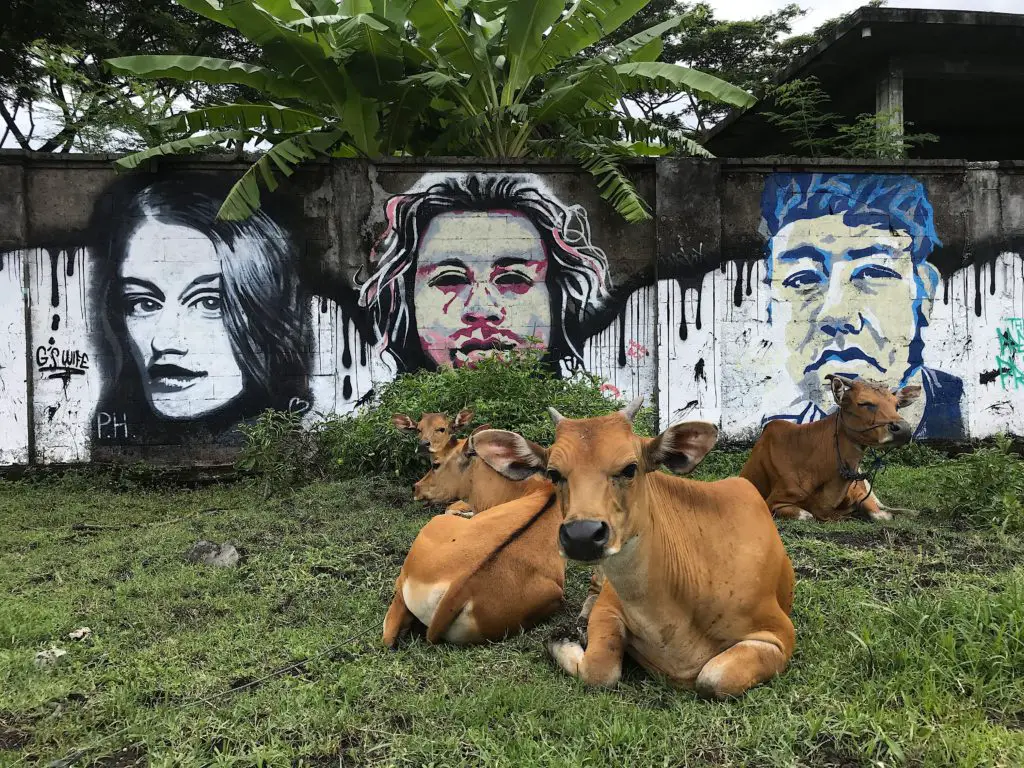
601 663
750 662
593 592
790 512
460 508
780 507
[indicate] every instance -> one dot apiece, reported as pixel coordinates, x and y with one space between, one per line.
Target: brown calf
436 430
460 474
698 586
810 471
481 579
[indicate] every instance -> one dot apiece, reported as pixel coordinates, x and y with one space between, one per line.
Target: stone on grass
218 555
82 633
50 657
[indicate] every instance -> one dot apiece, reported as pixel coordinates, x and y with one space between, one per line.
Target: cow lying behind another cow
810 471
479 579
698 586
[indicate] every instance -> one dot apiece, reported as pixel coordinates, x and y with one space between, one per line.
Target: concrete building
956 74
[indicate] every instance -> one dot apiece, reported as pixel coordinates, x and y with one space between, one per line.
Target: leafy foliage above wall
494 78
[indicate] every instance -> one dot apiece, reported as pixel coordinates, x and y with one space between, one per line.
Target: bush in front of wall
511 393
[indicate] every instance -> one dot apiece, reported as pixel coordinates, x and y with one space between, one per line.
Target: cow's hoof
880 516
803 514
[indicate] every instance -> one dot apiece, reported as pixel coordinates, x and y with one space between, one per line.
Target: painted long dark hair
266 311
577 275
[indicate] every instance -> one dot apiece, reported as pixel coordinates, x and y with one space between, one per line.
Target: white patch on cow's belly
422 600
464 629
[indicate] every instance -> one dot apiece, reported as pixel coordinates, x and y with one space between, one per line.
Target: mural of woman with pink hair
471 265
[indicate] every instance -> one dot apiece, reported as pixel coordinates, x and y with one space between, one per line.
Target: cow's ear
840 386
681 447
907 395
509 454
462 418
404 423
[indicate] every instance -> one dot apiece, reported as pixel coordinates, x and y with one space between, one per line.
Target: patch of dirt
1011 721
945 553
14 733
159 698
127 757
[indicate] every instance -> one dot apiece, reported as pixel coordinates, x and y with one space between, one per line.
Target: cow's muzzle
584 540
424 446
901 432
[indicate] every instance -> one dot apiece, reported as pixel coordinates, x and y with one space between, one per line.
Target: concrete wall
138 327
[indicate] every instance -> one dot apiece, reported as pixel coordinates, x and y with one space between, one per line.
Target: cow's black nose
424 445
901 433
584 539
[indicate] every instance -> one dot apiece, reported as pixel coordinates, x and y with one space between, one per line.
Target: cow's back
770 457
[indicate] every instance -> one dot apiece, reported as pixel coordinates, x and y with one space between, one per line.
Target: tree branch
12 128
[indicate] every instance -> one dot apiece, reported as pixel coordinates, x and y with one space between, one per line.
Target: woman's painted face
480 286
173 304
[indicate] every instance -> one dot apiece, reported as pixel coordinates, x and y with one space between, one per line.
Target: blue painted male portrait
851 290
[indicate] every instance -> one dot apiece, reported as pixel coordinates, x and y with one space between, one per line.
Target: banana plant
373 78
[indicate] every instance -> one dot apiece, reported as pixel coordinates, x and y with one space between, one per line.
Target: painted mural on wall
470 265
851 290
203 323
153 325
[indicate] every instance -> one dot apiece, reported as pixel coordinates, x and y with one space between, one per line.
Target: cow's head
436 430
599 467
868 410
448 478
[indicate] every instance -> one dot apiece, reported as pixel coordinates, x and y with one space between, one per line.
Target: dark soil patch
1012 721
14 733
127 757
945 552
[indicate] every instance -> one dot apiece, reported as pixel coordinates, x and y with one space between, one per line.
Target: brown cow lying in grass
479 579
810 471
698 586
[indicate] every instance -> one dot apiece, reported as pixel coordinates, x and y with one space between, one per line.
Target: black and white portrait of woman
472 264
202 323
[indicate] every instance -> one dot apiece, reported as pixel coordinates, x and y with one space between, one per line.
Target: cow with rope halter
812 471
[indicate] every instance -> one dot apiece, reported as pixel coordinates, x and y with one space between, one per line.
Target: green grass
910 644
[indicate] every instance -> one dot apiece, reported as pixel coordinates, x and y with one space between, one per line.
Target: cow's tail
454 599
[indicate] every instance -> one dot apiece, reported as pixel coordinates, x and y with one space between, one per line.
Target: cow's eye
436 465
869 406
555 476
628 472
440 429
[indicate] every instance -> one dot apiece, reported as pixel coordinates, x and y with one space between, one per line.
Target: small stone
82 633
50 658
218 555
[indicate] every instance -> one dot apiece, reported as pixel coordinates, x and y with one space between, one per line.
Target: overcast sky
819 11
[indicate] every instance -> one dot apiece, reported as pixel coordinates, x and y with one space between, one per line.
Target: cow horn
555 415
631 410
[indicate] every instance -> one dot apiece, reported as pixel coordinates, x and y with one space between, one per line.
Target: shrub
506 394
986 488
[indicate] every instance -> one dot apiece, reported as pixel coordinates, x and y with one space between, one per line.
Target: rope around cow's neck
853 476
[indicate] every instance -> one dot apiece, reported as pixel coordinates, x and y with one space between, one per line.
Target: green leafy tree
745 53
431 77
55 94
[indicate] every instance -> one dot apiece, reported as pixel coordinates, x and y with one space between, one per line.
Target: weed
986 488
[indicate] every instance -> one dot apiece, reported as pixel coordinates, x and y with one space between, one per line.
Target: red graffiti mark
636 350
611 389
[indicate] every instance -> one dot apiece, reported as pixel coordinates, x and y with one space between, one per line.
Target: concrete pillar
889 93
